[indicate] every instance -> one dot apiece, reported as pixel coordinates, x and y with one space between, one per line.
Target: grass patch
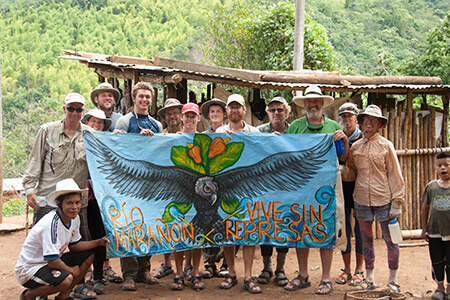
14 207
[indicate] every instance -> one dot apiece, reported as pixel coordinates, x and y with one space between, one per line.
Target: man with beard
236 112
171 113
105 97
315 122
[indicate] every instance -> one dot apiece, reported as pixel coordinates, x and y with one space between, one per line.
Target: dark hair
61 198
443 155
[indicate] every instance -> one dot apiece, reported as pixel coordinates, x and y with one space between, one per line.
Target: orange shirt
379 177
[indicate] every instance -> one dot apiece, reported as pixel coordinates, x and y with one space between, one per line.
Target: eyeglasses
279 110
72 109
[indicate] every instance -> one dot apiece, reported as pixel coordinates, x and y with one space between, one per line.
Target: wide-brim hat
98 114
105 87
214 101
373 111
65 186
311 93
171 102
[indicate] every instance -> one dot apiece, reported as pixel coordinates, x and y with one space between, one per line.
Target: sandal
344 277
98 288
302 283
265 276
393 287
148 279
251 286
89 277
177 284
197 283
325 288
129 284
188 273
281 278
228 282
357 279
366 285
163 271
111 276
82 292
210 271
223 272
438 295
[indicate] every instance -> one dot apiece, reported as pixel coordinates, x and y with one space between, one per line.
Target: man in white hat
236 112
105 97
58 153
96 119
315 122
171 113
139 120
43 266
278 110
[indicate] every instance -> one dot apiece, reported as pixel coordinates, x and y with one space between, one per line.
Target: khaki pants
135 266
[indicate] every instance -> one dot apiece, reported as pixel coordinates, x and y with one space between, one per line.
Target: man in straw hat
58 153
381 197
171 113
139 120
105 97
315 122
215 111
43 266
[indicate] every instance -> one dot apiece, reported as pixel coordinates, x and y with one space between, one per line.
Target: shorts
48 276
367 213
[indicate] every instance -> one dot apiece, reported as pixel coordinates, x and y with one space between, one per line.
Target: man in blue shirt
139 120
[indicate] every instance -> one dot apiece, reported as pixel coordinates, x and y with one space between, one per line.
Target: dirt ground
414 275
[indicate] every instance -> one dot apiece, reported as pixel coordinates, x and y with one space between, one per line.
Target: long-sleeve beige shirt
55 157
379 178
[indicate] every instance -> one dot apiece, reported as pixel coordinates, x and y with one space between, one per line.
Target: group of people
57 171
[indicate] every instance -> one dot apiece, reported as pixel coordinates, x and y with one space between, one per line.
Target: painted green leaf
179 156
229 206
228 158
204 142
181 207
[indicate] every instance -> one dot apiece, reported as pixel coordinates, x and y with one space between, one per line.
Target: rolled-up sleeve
394 174
33 168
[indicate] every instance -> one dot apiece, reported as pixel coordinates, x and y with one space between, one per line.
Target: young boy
435 228
43 267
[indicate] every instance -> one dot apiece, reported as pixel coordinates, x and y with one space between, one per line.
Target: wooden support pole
407 144
445 103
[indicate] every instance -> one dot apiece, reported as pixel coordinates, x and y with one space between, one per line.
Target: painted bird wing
284 171
141 179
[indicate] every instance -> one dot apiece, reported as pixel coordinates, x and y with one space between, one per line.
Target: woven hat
98 114
65 186
105 87
171 102
311 93
190 107
349 108
373 111
236 98
74 98
214 101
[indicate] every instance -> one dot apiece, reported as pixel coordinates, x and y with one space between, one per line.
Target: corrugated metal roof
12 184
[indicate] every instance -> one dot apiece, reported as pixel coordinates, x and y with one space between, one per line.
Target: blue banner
171 192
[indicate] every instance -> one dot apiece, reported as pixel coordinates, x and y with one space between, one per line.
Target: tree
435 59
249 36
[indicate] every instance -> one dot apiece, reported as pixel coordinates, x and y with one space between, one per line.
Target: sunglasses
279 110
72 109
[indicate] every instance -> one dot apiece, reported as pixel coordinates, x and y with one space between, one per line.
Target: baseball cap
190 107
278 99
236 98
74 98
